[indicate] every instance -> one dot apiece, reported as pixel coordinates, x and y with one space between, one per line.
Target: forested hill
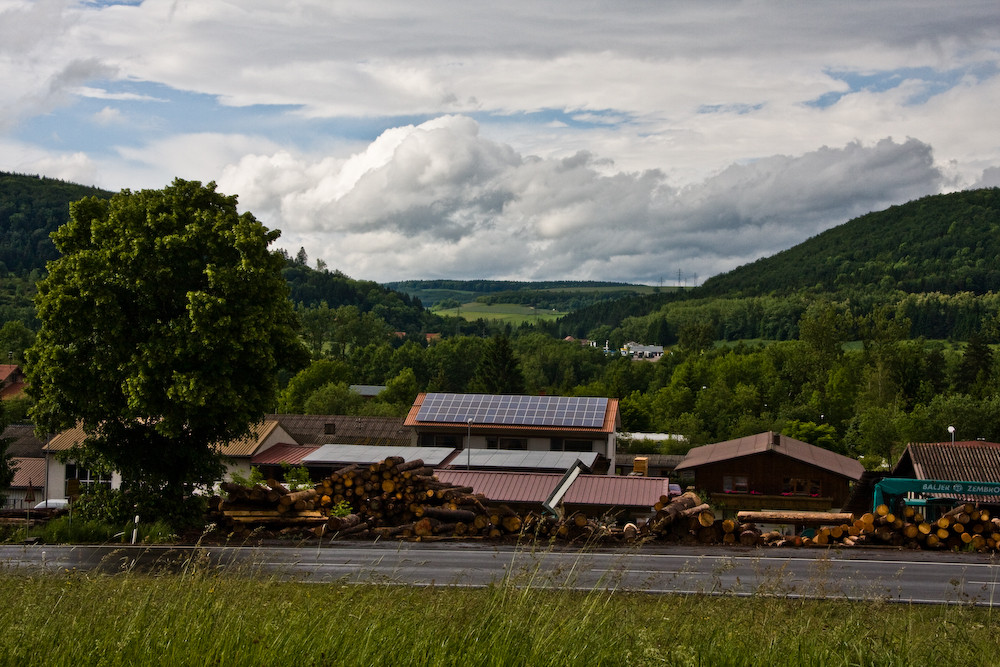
31 208
942 243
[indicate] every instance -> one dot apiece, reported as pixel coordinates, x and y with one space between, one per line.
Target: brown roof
244 446
974 460
610 424
536 487
505 487
23 441
28 470
344 429
777 443
282 453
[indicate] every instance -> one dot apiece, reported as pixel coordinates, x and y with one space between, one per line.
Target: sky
646 142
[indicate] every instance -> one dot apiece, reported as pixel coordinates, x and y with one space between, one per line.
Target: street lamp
468 447
951 429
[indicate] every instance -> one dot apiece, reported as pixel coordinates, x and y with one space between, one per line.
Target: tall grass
202 616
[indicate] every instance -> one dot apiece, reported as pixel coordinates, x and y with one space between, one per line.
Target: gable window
735 484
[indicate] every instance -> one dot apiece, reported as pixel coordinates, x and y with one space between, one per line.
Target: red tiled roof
535 487
773 442
28 470
282 453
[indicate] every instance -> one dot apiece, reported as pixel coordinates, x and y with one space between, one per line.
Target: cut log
798 518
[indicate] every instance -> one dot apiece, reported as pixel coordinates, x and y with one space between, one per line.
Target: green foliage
341 508
164 324
293 398
256 477
334 398
68 529
498 371
297 477
7 468
31 208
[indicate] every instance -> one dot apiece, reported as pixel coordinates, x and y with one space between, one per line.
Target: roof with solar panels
578 414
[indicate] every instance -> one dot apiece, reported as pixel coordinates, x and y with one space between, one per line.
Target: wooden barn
769 471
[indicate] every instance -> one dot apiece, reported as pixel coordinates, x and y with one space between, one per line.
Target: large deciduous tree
163 325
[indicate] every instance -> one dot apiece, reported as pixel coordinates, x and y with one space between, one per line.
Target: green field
501 312
197 615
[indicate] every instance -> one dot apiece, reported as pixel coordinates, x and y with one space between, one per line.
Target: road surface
900 576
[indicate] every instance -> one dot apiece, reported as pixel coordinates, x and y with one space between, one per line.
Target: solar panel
574 411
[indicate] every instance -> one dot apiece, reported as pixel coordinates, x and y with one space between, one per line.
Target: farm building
770 471
519 423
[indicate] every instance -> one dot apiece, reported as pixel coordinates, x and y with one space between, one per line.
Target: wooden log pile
404 500
390 499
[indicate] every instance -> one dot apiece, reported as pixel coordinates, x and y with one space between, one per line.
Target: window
441 440
560 445
735 484
799 486
78 477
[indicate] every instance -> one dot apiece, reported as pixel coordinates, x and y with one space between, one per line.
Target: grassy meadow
507 313
196 615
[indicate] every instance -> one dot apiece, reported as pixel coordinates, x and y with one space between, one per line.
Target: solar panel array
567 411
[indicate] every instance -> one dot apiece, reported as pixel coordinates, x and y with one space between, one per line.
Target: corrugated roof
522 459
28 470
536 487
619 491
963 461
777 443
504 487
244 446
248 444
609 425
366 454
283 453
344 429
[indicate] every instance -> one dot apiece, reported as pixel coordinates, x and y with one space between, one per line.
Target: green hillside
932 261
942 243
31 208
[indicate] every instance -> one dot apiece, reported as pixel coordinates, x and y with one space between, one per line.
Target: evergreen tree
499 371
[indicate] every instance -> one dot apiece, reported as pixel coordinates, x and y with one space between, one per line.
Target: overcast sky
531 140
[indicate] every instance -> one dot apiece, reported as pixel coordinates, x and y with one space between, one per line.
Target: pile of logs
404 500
390 499
964 527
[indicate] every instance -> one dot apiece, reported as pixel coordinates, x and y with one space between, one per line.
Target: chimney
775 439
329 428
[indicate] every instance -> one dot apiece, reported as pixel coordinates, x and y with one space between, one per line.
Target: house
769 471
343 429
12 381
638 351
28 459
518 423
64 479
626 498
28 487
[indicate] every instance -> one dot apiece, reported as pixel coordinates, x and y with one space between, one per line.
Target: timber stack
392 498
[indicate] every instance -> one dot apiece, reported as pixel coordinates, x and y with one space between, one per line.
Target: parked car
52 504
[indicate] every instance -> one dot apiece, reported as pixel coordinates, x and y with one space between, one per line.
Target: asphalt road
900 576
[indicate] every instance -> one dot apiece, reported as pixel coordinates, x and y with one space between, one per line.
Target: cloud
439 200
